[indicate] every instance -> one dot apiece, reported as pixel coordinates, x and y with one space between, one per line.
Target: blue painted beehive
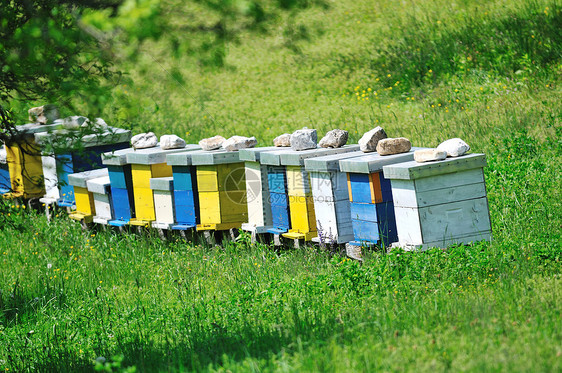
4 172
370 196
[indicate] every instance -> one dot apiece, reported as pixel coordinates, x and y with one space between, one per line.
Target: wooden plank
155 155
409 198
297 158
207 178
231 176
182 158
185 177
144 204
33 128
454 219
210 207
141 175
298 183
99 185
412 170
26 170
214 157
373 162
49 164
84 201
330 162
117 157
71 137
164 206
257 194
162 183
160 170
408 225
254 154
360 188
467 239
102 205
80 179
122 203
473 176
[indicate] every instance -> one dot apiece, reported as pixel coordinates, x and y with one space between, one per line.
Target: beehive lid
80 179
330 162
297 157
374 162
254 154
32 128
215 157
98 185
65 137
413 170
182 158
117 157
162 183
155 155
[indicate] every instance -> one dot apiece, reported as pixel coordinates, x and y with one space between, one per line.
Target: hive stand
4 172
260 201
441 203
80 154
121 186
163 188
24 161
186 198
101 191
221 183
331 199
290 184
370 196
147 164
85 206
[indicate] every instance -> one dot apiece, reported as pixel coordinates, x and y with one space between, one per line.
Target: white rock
171 142
428 155
368 142
212 143
454 147
334 139
45 114
239 142
282 140
304 139
144 140
390 146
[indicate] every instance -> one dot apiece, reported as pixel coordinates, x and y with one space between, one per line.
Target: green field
488 72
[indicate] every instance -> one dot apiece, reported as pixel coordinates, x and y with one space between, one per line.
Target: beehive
331 199
163 190
288 170
69 152
147 164
85 205
121 180
370 196
23 156
4 172
260 201
438 204
221 184
101 192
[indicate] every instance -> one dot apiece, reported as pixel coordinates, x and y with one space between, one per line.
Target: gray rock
239 142
454 147
171 142
428 155
45 114
211 143
144 140
282 140
353 252
304 139
334 139
75 121
368 142
390 146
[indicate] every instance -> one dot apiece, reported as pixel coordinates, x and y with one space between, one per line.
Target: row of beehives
339 195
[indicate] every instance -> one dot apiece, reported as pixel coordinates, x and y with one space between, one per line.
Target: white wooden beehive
101 191
163 189
438 204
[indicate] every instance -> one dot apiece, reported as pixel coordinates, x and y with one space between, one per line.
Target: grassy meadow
488 72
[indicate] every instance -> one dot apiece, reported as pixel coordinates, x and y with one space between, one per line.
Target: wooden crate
121 180
221 185
147 164
438 204
82 153
331 199
163 190
370 197
291 195
260 217
85 205
100 190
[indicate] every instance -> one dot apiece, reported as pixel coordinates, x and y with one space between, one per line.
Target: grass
68 296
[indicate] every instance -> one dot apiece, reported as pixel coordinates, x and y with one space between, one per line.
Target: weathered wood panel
412 170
